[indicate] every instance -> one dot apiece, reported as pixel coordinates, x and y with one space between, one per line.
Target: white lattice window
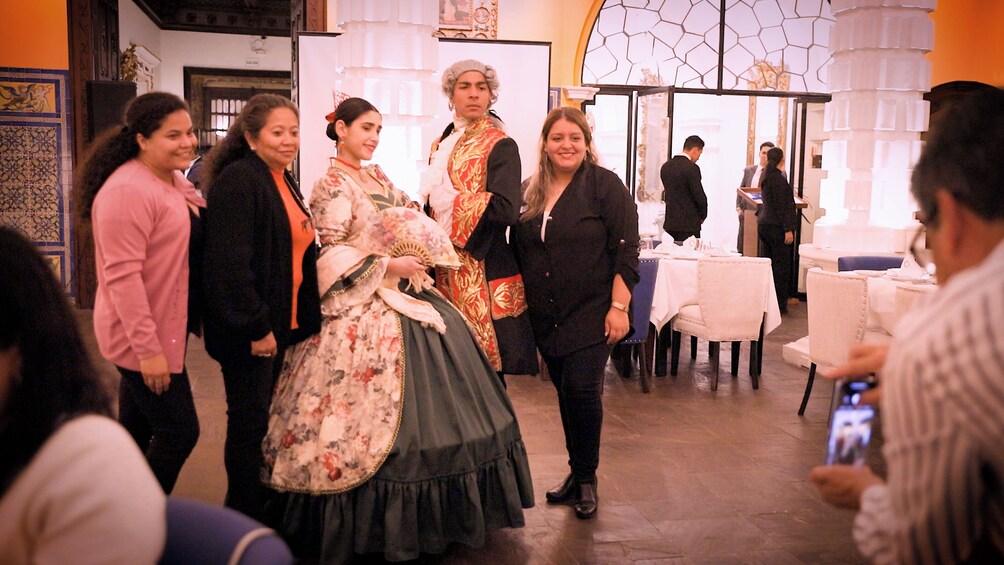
679 41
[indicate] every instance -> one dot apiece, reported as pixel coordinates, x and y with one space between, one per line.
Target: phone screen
851 426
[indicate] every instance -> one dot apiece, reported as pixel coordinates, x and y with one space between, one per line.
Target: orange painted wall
968 43
34 35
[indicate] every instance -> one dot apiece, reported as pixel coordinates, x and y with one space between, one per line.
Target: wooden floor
686 475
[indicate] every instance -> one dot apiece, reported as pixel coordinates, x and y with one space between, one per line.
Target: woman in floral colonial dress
389 431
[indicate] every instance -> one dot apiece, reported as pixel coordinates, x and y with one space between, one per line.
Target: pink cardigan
141 231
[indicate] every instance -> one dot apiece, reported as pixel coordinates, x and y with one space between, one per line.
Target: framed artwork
456 14
474 19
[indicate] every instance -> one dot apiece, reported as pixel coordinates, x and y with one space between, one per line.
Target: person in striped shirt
942 378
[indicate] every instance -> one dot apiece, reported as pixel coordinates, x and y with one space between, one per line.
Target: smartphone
851 425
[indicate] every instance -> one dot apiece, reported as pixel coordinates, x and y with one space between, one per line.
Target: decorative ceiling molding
242 17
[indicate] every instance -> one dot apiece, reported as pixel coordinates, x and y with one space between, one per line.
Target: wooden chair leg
808 389
674 357
754 364
645 366
648 350
693 347
661 349
713 350
759 350
735 357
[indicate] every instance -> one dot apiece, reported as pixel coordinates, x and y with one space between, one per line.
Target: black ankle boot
588 502
567 490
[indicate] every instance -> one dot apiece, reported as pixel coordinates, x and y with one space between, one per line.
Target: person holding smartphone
943 374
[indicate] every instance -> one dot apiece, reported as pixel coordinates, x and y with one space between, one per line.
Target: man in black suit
686 203
751 177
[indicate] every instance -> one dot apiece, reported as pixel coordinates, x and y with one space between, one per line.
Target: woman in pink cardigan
142 208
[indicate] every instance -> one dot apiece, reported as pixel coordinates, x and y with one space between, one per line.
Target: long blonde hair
536 189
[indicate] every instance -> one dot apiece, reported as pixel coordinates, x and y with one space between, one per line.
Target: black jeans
249 382
772 245
578 378
164 425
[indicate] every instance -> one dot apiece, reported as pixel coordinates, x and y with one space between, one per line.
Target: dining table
883 310
676 287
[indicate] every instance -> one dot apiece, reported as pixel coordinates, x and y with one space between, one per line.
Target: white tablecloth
676 287
882 312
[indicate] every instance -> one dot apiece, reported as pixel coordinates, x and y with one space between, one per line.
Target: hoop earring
449 104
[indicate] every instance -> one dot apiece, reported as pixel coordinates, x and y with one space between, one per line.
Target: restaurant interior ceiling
245 17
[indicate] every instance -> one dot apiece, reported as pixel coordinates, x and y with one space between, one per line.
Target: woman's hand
789 237
155 373
265 347
404 267
616 325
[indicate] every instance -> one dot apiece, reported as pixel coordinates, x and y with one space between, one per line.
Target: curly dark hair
233 147
347 111
962 156
116 145
56 380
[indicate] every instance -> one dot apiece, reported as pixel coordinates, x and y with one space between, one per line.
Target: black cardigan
778 202
248 262
592 235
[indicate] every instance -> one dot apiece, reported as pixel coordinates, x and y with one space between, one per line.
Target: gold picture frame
456 14
475 19
765 76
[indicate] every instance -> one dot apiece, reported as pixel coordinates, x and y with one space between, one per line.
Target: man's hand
842 485
789 237
864 360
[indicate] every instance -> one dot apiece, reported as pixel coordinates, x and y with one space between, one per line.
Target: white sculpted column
878 77
388 55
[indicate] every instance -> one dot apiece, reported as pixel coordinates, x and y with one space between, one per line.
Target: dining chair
907 296
731 293
639 342
204 534
868 263
838 311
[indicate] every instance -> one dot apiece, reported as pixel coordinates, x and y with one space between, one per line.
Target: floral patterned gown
386 435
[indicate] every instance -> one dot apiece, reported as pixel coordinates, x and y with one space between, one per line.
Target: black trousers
683 235
165 426
578 378
772 246
249 382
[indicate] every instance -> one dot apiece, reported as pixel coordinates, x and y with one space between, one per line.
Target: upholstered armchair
838 310
205 534
639 342
731 293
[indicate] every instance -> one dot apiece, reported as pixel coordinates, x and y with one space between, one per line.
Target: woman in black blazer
577 243
260 278
776 223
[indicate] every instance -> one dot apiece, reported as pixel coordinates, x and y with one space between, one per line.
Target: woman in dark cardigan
260 278
577 244
776 223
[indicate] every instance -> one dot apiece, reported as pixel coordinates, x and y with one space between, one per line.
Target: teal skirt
458 467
